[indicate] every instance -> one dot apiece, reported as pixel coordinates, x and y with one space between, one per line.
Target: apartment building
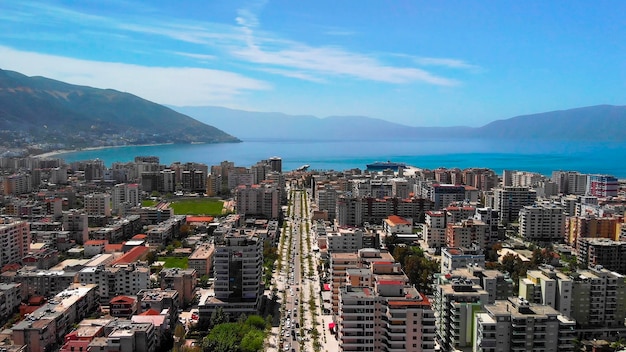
14 240
202 259
98 204
17 184
599 300
380 311
121 279
435 229
508 201
590 226
457 258
77 223
355 211
570 182
602 186
549 287
259 199
125 196
602 251
238 268
161 301
442 194
345 240
456 301
542 223
490 218
467 233
45 328
181 280
516 325
10 299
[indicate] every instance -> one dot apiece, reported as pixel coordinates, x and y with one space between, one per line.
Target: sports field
200 206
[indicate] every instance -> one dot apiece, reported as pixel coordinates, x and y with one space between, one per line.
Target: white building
544 223
98 204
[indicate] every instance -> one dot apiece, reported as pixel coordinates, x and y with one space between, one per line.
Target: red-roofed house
135 254
123 306
94 247
395 224
112 248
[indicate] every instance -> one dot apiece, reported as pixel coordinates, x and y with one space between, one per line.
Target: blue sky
419 63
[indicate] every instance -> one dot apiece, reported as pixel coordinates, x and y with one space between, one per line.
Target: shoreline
67 151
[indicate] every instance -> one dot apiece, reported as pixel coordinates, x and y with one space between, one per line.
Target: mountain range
42 111
601 123
49 111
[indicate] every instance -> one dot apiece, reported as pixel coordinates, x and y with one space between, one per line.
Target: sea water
530 155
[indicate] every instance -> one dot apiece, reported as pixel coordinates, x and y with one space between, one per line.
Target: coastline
66 151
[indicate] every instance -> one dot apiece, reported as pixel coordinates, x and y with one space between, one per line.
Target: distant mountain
602 122
49 111
248 124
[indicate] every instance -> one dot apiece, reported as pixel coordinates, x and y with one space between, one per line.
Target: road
301 323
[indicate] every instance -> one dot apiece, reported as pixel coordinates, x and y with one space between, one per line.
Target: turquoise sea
536 156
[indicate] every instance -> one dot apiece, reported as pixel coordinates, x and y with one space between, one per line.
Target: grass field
174 262
148 203
201 206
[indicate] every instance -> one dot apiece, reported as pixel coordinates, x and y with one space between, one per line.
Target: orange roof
110 248
423 302
122 299
96 242
133 255
390 282
140 236
150 312
398 220
200 218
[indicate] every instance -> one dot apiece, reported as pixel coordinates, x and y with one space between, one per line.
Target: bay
531 155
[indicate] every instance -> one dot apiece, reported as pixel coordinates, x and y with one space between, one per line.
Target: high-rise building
602 186
238 269
508 201
549 287
517 325
77 223
466 233
124 196
456 301
276 164
15 240
602 251
263 199
98 204
542 223
380 311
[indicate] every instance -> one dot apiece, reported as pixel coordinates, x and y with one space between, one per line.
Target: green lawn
148 203
174 262
201 206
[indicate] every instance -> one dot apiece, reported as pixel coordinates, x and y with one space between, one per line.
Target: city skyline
414 63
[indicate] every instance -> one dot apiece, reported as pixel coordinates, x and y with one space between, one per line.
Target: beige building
181 280
14 241
47 326
518 326
202 259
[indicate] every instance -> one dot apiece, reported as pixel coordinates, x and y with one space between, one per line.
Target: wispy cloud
326 61
446 62
246 44
166 85
202 57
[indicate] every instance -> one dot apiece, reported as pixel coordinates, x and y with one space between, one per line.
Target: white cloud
446 62
329 61
165 85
